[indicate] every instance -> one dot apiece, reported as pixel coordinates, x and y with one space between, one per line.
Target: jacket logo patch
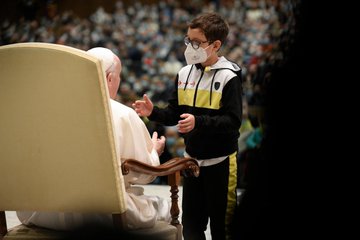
217 85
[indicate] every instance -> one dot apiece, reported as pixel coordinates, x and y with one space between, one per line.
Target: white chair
57 149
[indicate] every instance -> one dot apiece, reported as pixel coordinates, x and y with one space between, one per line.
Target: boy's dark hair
212 25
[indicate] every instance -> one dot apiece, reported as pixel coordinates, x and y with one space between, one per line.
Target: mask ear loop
207 48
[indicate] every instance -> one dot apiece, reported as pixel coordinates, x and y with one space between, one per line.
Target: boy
206 106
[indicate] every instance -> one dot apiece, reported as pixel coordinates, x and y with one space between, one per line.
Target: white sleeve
135 143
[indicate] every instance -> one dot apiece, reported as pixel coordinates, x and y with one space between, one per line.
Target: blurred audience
149 39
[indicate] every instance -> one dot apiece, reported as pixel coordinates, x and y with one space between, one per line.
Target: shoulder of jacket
223 63
185 69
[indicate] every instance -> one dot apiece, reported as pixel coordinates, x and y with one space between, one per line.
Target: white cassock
133 141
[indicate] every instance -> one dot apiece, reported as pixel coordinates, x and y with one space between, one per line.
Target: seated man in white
132 141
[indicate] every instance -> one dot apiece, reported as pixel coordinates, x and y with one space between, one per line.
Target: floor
159 190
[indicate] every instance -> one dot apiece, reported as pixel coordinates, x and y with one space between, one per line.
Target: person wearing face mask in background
206 106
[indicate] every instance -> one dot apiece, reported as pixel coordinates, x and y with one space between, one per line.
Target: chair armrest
172 168
189 165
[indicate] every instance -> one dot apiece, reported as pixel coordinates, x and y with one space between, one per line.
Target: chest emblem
217 85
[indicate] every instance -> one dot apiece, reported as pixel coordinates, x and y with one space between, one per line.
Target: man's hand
158 143
143 107
187 124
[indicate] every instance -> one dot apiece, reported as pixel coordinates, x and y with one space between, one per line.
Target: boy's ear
217 45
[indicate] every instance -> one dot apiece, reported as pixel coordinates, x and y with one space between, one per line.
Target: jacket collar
199 66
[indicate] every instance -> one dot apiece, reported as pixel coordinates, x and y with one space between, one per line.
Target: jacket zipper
197 86
211 86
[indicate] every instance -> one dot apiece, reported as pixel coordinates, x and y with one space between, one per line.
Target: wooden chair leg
119 221
174 182
3 227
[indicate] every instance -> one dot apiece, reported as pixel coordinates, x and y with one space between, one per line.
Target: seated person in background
133 141
246 128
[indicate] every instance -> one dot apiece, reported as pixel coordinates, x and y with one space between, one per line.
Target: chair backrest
57 149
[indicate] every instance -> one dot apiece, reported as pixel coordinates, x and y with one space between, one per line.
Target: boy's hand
143 107
187 124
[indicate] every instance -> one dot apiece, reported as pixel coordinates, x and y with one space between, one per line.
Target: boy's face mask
194 56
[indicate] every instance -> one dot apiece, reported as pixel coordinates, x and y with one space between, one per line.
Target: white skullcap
105 55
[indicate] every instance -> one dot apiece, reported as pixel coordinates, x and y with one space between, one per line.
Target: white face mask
194 56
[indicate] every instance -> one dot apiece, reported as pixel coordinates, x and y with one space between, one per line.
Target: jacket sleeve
230 113
169 115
